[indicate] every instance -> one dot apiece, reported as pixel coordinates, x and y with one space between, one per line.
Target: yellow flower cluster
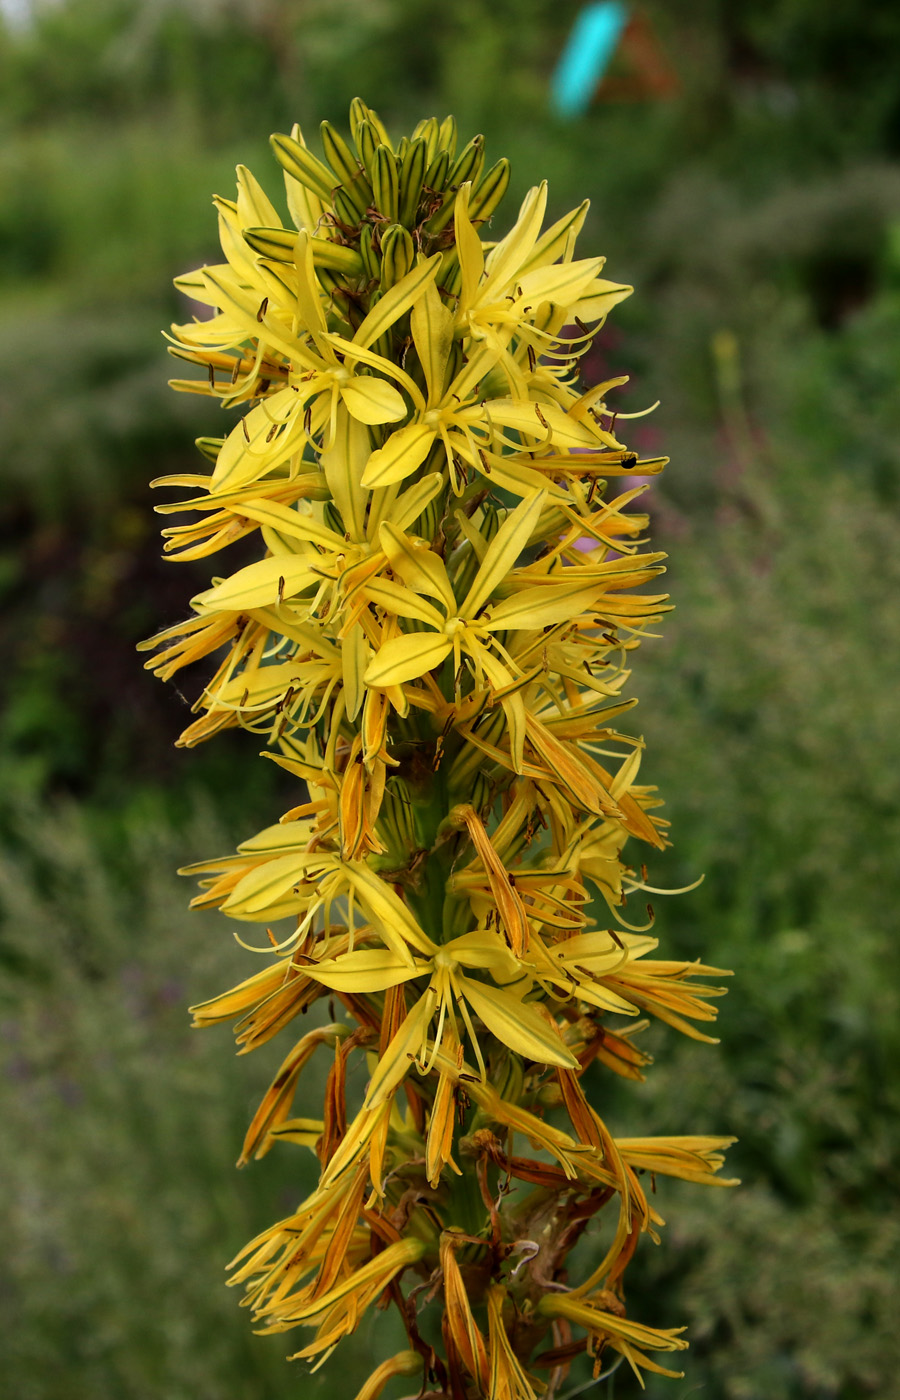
435 644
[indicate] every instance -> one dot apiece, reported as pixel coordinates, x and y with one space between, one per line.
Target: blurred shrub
119 1207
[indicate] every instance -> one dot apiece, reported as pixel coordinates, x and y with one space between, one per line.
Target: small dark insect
628 462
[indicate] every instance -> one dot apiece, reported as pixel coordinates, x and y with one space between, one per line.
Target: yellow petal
516 475
402 602
508 901
245 995
562 284
432 331
355 655
343 464
512 702
475 538
553 244
487 951
689 1158
516 1023
397 301
408 506
369 970
270 886
233 244
390 917
249 451
355 354
606 1323
481 362
535 608
417 564
309 303
406 1045
405 1363
291 523
359 1134
373 400
508 1377
404 451
469 248
379 1271
259 585
600 952
304 1132
459 1318
503 551
240 305
277 1101
505 260
601 298
595 994
283 836
556 428
260 689
406 658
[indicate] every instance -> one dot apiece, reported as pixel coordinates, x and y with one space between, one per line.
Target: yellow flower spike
434 641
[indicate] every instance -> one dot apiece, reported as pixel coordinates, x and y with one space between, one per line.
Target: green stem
429 810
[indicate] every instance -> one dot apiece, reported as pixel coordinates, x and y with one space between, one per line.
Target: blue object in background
587 56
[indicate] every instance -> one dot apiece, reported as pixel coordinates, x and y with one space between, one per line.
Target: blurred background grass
757 212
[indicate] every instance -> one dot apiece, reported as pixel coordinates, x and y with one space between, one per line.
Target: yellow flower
427 647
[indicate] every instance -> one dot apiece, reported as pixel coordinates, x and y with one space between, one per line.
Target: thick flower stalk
436 644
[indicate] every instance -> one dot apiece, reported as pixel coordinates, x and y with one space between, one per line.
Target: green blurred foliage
758 215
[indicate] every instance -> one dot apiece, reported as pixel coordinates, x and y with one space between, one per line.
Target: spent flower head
435 642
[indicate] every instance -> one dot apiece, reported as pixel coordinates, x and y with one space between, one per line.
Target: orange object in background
645 70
